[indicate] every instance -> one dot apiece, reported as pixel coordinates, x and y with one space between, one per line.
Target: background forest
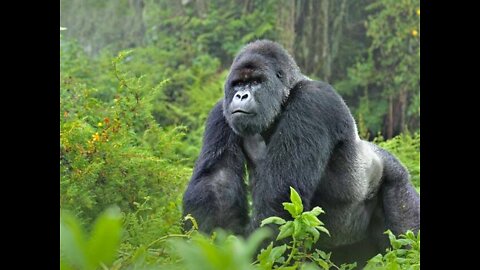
138 79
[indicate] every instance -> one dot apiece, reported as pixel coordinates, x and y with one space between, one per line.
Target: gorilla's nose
241 96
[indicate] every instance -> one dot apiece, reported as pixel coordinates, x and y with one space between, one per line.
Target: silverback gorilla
292 131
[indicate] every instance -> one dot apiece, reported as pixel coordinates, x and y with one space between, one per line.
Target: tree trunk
286 25
301 34
390 118
326 42
337 34
313 40
403 109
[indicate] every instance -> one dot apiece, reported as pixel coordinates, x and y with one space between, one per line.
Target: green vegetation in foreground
220 250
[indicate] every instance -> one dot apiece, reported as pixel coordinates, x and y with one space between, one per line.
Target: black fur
293 131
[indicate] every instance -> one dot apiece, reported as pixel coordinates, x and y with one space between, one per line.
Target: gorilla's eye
279 74
255 82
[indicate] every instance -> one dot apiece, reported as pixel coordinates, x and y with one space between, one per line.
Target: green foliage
218 29
113 152
404 253
406 148
300 235
221 251
79 251
391 70
122 144
194 250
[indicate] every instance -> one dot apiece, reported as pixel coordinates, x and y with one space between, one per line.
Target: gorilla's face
254 94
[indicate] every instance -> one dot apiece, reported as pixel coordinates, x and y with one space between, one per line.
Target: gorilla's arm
400 199
216 195
311 125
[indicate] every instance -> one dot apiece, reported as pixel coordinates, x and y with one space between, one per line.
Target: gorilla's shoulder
316 87
319 107
316 95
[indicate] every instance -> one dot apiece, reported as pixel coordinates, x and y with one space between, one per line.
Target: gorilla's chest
255 149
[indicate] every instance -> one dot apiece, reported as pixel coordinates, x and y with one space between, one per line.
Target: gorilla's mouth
241 112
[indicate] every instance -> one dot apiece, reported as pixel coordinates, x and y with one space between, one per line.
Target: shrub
114 153
404 253
224 251
79 251
194 250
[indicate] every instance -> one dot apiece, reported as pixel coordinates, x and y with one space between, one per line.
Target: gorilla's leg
373 243
401 201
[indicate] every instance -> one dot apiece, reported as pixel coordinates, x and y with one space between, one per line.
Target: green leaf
309 266
322 254
297 228
278 251
310 219
64 266
322 263
286 230
349 266
308 243
73 245
317 211
275 220
375 260
265 252
105 237
296 200
264 257
255 239
323 229
293 267
314 233
290 207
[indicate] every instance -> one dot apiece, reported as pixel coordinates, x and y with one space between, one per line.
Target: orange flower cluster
96 137
103 136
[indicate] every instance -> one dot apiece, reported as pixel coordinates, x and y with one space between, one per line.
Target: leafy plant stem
294 246
163 238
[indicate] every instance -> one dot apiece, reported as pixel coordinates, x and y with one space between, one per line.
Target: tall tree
388 77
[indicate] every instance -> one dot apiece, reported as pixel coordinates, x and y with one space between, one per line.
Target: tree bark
286 24
326 42
337 34
314 36
390 118
403 109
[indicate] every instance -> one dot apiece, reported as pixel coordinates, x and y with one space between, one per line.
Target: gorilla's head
259 82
